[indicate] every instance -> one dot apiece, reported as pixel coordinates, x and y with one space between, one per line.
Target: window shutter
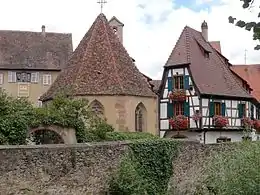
170 110
252 112
223 109
1 79
186 82
186 109
211 109
14 76
10 76
37 77
240 111
170 83
50 79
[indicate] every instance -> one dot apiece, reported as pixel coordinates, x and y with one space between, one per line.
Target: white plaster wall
164 124
191 136
163 110
162 134
211 136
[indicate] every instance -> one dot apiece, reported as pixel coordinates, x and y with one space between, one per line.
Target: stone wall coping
65 146
94 144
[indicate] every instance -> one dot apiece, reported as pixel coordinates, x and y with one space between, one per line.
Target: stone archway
68 135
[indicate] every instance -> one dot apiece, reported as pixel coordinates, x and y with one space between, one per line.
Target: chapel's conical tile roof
100 65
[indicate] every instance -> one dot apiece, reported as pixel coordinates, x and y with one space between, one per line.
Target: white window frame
35 77
1 78
39 104
11 77
46 79
23 94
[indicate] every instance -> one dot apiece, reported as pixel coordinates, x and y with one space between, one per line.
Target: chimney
204 30
43 30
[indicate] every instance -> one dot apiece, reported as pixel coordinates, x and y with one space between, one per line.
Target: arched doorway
53 135
140 118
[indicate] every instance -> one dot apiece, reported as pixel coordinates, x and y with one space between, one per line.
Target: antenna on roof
245 55
102 3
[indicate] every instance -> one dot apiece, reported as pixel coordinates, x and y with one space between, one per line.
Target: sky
151 29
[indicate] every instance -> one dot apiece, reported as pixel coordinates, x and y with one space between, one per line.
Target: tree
15 116
248 25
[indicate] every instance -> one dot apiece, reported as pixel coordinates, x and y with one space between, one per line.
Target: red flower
220 121
179 122
257 125
247 122
196 117
177 95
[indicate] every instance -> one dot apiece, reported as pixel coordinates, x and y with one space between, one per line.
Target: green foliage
65 112
146 169
15 116
69 112
248 4
120 136
235 172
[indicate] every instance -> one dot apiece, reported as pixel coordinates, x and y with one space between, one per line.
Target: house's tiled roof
156 85
212 74
251 74
216 45
100 65
34 50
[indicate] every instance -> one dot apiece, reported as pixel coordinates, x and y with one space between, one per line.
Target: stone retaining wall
85 169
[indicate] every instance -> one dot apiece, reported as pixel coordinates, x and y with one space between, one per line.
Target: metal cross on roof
102 3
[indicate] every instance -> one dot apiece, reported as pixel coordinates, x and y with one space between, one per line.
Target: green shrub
235 172
120 136
15 117
146 169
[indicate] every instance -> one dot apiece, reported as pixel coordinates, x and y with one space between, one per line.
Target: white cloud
200 2
150 44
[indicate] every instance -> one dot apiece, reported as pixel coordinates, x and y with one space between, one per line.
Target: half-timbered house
201 98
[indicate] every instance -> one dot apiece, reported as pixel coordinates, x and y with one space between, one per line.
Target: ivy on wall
146 168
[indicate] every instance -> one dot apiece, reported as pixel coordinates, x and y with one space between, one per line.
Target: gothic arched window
140 117
97 108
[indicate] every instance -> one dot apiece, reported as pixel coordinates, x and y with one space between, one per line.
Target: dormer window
206 54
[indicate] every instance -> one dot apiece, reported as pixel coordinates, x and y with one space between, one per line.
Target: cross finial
102 3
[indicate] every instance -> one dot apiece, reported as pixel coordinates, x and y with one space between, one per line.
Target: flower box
257 125
247 122
179 122
196 117
177 95
220 121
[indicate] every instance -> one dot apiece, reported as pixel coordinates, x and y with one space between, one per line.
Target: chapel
101 70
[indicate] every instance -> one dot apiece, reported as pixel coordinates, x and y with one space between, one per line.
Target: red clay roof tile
100 65
212 74
251 74
216 45
34 50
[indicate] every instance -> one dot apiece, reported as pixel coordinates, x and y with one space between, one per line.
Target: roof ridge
187 43
113 57
35 32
